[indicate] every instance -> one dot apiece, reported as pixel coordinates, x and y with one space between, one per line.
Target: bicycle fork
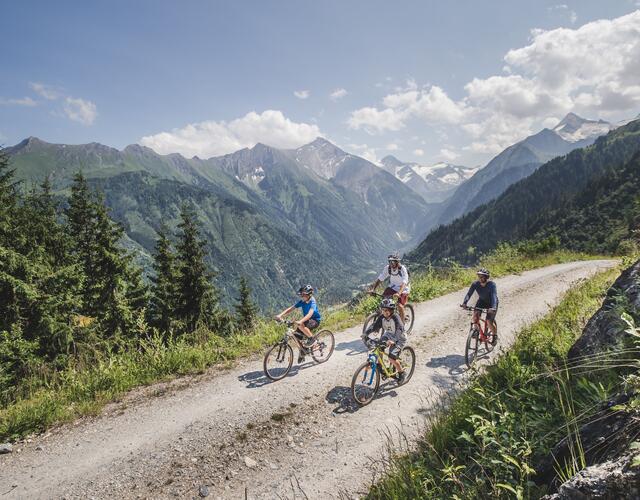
373 362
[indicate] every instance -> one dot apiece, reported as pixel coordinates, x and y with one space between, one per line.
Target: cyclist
487 299
310 317
398 282
392 332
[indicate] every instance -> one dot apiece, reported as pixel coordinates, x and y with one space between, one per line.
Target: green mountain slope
543 203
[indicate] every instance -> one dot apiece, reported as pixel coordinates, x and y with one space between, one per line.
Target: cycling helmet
306 289
394 257
483 272
387 304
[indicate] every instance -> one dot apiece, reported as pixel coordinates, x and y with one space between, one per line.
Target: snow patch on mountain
573 128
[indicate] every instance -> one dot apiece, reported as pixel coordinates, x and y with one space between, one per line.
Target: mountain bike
279 358
366 380
407 320
478 335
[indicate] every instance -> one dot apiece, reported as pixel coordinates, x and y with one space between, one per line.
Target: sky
425 81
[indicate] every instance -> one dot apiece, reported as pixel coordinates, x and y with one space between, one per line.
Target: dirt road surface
232 433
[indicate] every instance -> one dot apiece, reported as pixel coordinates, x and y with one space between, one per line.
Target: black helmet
387 303
306 289
394 257
483 272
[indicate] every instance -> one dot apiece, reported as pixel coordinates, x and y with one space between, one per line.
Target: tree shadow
342 396
455 363
258 379
354 347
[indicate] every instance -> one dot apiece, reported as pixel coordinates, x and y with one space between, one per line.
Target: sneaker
474 334
310 342
494 339
400 377
301 357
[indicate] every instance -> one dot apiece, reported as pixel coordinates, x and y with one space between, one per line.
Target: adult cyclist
487 299
398 282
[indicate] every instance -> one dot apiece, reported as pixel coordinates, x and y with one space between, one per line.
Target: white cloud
448 155
418 152
80 110
338 94
47 91
25 101
563 9
213 138
392 147
431 105
301 94
593 70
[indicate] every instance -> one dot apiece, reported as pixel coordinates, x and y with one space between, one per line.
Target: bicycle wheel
324 348
278 361
407 360
471 351
365 383
369 321
408 318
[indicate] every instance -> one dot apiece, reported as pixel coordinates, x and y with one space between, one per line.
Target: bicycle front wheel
471 351
408 318
278 361
323 349
407 360
365 383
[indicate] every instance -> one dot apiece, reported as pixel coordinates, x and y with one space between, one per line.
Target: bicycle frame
483 337
376 359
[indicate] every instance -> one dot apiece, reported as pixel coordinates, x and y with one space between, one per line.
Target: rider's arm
472 289
399 326
494 296
286 311
307 316
375 285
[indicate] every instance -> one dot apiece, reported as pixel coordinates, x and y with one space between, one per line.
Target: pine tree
246 310
8 199
163 302
197 298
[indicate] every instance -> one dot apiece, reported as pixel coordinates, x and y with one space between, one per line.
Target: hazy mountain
589 199
435 183
519 161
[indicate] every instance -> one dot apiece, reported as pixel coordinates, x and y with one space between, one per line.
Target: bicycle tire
369 321
284 352
409 318
471 349
326 346
408 370
358 387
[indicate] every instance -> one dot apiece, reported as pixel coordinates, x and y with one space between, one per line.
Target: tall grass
45 399
484 443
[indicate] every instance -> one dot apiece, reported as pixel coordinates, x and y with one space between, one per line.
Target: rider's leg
401 311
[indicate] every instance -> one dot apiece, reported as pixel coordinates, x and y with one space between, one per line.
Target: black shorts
490 315
311 324
394 350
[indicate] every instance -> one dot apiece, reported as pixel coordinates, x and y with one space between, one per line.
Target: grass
44 400
485 442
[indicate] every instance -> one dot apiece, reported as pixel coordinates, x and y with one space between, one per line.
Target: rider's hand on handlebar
390 343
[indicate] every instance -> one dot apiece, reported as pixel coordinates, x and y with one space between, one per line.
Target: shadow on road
354 347
453 362
258 378
341 396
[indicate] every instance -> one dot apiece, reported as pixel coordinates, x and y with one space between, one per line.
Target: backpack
400 271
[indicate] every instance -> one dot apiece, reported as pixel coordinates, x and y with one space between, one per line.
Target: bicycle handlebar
284 321
469 308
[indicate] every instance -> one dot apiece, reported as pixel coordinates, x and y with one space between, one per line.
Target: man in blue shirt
487 299
310 316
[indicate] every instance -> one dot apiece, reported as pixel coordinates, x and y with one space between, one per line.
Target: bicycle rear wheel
365 383
407 360
278 361
323 350
471 350
369 321
408 318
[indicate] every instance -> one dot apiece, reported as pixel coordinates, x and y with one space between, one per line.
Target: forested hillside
587 199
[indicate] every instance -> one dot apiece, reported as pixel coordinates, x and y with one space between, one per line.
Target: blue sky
425 81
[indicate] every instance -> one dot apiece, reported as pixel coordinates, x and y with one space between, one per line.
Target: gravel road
231 433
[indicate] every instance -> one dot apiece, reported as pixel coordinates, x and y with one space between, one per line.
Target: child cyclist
392 332
310 317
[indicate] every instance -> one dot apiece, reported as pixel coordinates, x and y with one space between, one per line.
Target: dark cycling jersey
487 294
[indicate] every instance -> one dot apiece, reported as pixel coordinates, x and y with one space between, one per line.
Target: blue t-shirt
307 306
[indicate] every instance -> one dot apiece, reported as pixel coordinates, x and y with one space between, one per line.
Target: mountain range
266 213
587 200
